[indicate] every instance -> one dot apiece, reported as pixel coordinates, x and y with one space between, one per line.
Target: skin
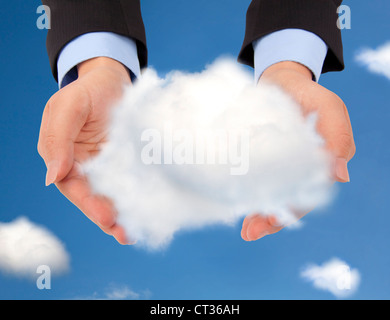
73 128
333 125
75 119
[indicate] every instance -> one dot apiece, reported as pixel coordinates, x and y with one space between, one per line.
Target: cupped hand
73 128
333 124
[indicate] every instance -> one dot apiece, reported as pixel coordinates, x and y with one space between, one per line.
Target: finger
345 152
245 225
336 129
98 209
256 226
341 145
259 226
43 130
64 116
118 232
333 125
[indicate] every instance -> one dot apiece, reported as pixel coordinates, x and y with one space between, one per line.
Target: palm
90 139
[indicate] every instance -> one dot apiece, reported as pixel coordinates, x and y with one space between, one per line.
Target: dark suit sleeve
317 16
72 18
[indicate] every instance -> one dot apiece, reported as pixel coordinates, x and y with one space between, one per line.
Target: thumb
341 169
59 160
62 120
341 143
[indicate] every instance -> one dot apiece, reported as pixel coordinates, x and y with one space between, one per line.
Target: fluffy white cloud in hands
25 245
376 60
193 150
335 276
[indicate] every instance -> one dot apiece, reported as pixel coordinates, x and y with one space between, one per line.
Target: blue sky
214 263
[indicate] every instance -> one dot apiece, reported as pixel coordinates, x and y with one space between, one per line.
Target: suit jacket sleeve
317 16
72 18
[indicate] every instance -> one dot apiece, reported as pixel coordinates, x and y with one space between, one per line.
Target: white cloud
24 246
267 157
118 292
122 293
334 276
377 61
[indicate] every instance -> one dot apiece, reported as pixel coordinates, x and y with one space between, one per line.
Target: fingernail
52 171
342 170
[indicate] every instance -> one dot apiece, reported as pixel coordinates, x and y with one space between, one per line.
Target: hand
73 127
333 125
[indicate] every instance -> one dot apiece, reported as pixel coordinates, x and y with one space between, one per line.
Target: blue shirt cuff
295 45
92 45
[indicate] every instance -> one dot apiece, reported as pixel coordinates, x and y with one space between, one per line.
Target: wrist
289 66
104 63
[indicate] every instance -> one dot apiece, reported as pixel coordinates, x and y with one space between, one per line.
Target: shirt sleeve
92 45
295 45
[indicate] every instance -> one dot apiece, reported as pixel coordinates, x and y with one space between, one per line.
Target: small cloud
122 293
334 276
376 60
115 292
24 246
